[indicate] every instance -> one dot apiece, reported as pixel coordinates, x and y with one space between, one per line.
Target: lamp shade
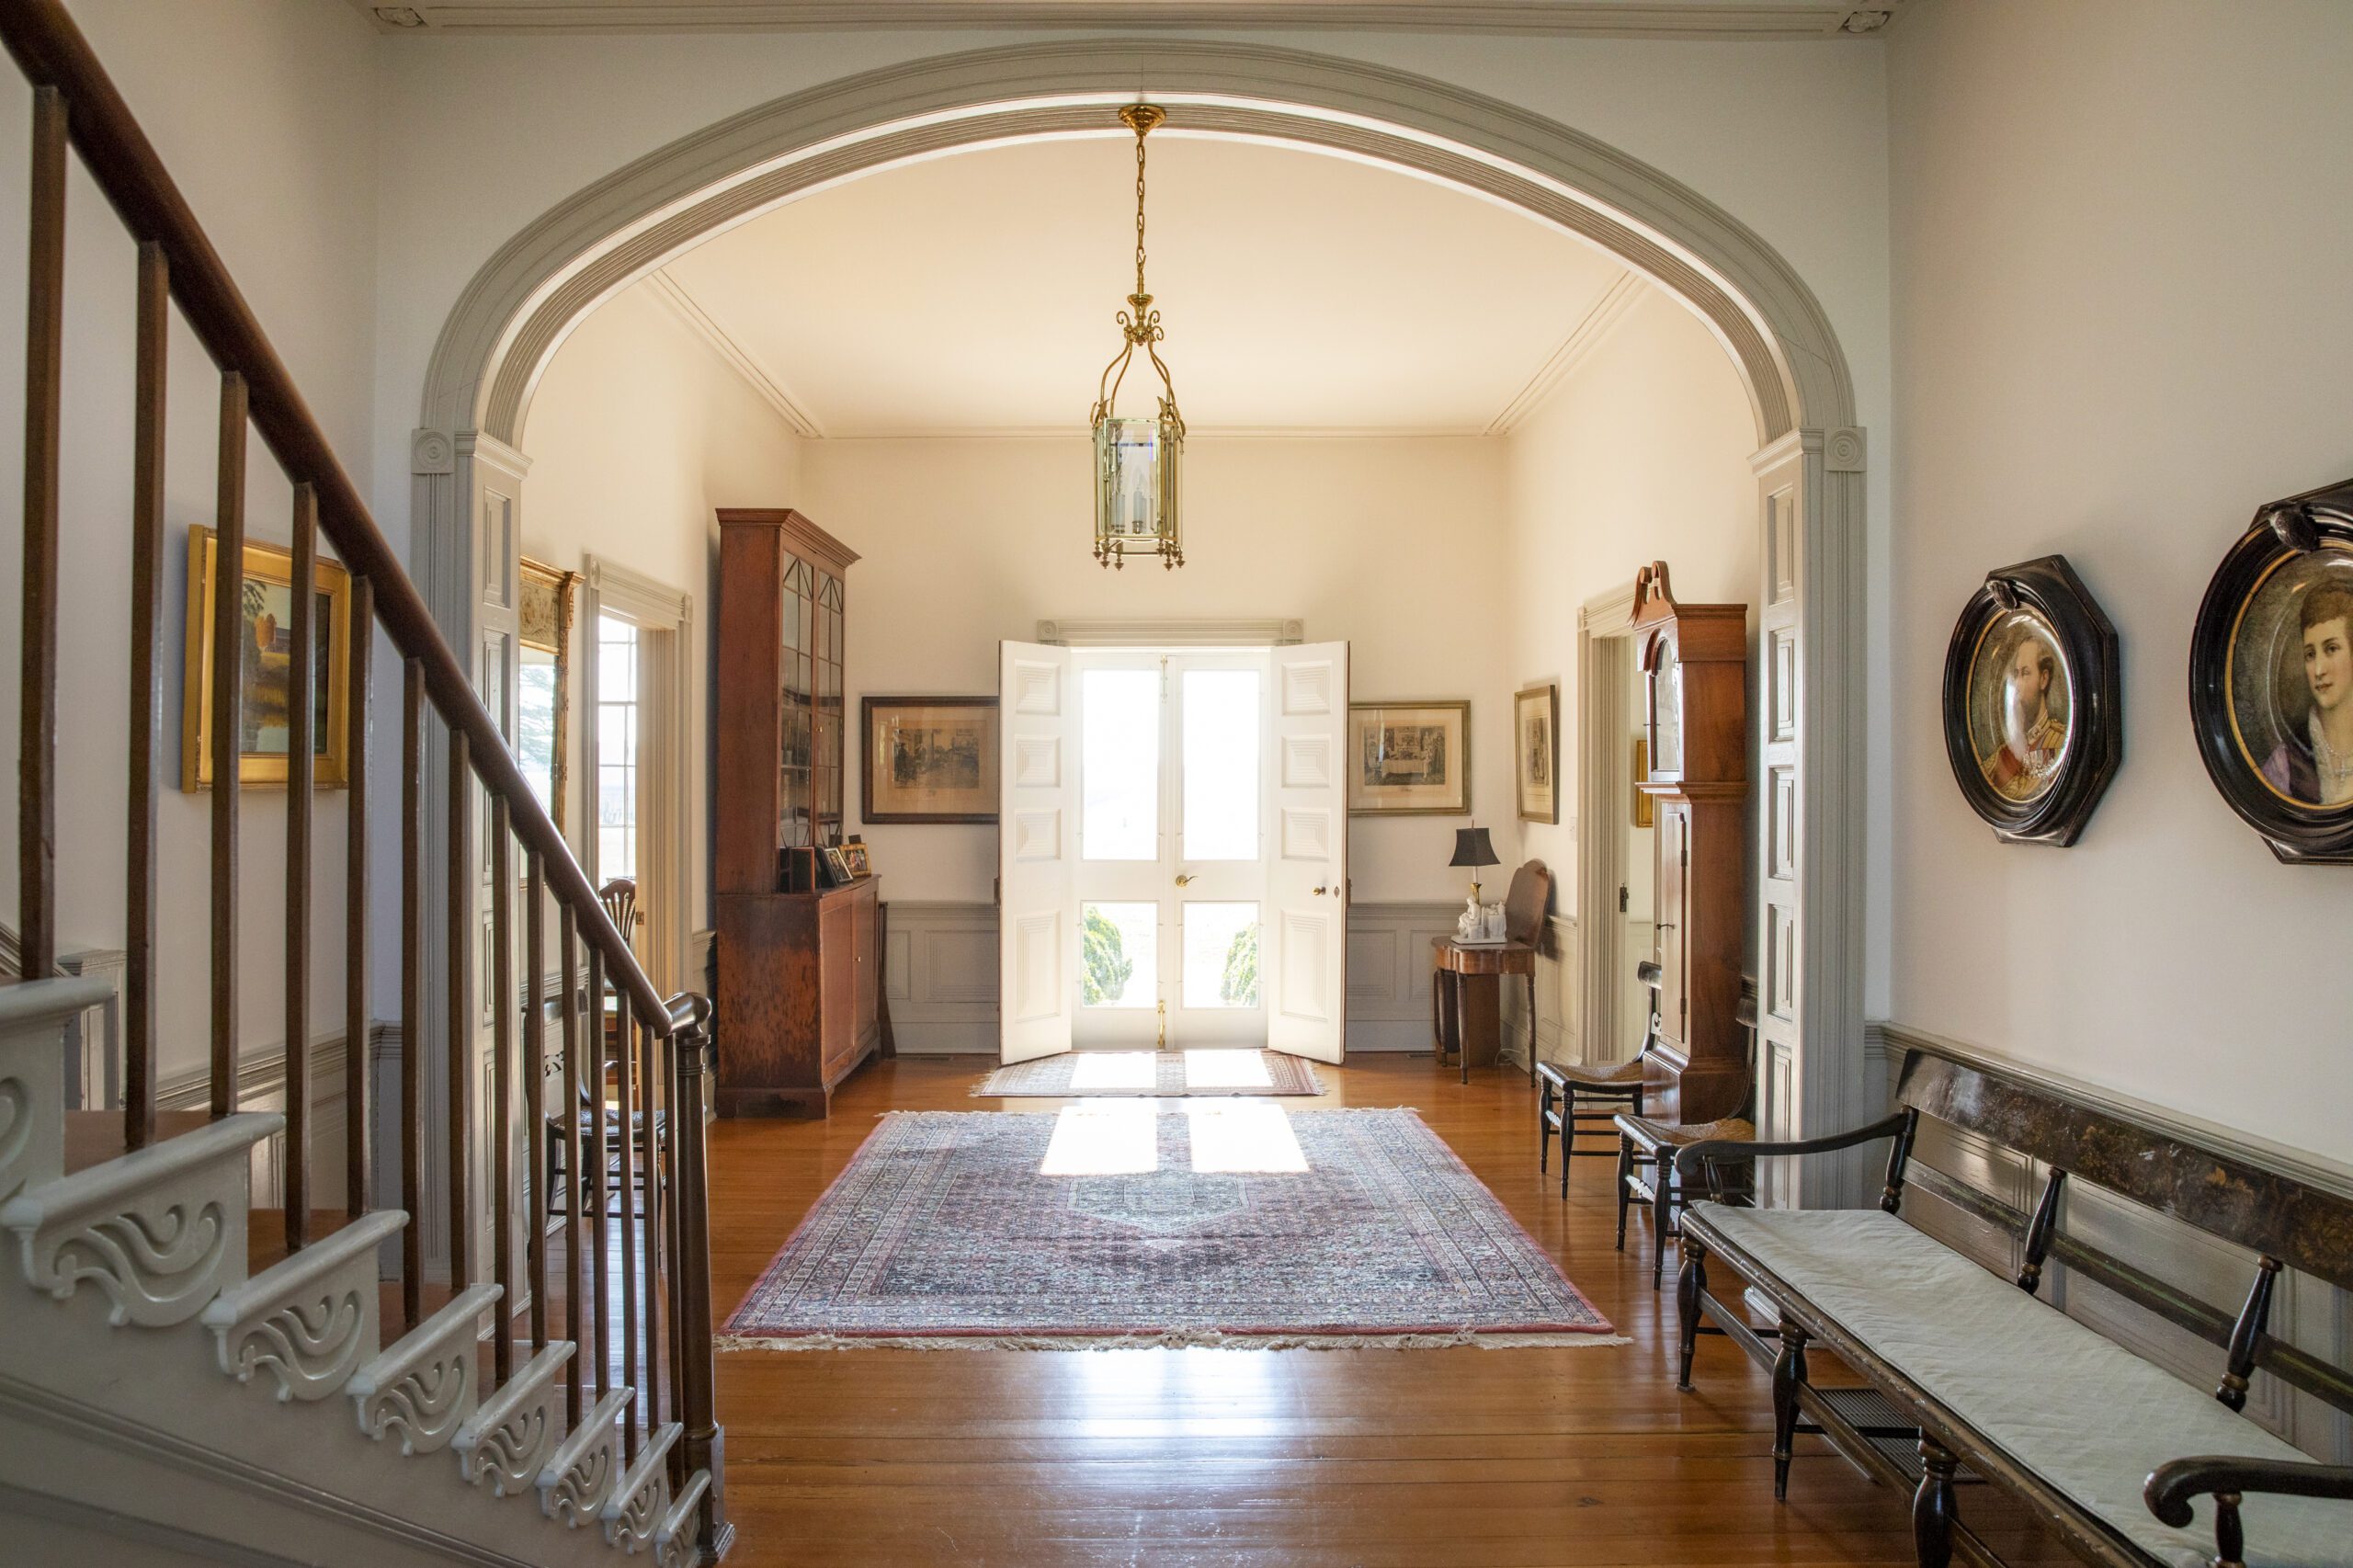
1471 848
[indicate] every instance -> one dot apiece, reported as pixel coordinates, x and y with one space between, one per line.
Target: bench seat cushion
2087 1416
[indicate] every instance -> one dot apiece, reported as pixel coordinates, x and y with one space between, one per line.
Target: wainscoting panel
1556 991
940 975
2306 1312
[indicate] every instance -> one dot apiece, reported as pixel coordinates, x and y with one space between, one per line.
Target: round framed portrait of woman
2030 705
2271 676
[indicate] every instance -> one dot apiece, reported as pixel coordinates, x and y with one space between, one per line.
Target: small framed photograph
2271 676
854 853
2032 710
930 759
1535 751
835 865
1409 760
266 593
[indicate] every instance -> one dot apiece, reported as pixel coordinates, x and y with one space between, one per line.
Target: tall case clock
1695 664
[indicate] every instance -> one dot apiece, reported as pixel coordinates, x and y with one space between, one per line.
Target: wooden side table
1463 1019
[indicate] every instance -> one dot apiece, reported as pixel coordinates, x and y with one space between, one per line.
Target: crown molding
765 385
1709 20
1616 301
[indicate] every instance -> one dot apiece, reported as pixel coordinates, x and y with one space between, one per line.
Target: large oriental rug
1113 1223
1168 1074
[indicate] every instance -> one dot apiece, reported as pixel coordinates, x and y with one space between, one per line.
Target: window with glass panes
617 721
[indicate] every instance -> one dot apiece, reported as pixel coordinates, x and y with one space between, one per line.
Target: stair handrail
51 51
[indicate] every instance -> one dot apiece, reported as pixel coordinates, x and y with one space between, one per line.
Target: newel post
705 1442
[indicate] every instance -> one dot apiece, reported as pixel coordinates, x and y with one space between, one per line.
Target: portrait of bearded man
2033 738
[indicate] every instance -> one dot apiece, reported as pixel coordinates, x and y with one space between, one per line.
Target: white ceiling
1606 18
976 293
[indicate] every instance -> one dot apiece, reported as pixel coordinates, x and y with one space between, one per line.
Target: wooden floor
1175 1459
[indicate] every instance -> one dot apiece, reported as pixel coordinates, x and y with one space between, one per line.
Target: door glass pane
616 748
1220 765
1220 955
1119 955
1119 763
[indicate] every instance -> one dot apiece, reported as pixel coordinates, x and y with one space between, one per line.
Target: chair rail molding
516 310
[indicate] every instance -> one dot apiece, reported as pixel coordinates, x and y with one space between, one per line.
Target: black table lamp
1472 849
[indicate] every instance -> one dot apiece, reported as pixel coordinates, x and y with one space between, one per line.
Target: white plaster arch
515 312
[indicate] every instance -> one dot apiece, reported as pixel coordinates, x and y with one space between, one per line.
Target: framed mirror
543 698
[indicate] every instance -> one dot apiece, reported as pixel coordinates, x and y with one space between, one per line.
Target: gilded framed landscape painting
1535 751
930 759
266 589
1409 760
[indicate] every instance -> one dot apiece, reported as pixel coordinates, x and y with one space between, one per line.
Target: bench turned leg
1933 1505
1788 1373
1625 1175
1689 1283
1544 1127
1568 1133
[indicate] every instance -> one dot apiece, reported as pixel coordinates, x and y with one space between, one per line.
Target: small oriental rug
1115 1223
1168 1074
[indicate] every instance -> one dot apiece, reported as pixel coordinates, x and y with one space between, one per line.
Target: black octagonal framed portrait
2034 720
2271 676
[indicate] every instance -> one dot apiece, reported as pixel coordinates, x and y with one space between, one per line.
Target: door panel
1304 967
1035 807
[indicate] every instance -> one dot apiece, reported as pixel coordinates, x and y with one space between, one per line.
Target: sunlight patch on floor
1244 1136
1115 1070
1227 1070
1107 1138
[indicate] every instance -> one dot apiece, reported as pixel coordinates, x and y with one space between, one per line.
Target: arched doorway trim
1810 652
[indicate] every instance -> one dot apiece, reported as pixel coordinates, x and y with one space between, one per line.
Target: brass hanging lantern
1136 457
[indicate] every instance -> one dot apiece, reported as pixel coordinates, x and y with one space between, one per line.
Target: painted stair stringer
581 1471
161 1231
509 1439
674 1538
425 1386
308 1318
33 1018
636 1505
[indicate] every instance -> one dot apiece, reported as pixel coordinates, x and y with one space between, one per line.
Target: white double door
1173 846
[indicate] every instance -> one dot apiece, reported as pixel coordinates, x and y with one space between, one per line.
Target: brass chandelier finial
1136 459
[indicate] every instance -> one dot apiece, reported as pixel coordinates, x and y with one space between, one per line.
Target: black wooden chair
1605 1087
1646 1151
619 899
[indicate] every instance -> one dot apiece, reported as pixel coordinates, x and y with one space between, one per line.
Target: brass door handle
1182 880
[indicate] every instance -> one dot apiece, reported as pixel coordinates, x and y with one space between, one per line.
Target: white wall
1642 455
640 432
265 113
2122 229
1397 546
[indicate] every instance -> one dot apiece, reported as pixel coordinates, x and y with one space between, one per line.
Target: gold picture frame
1535 751
1409 760
267 583
544 616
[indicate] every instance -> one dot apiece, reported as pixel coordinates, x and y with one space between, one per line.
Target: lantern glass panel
1132 456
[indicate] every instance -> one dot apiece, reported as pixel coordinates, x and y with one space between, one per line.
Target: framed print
543 696
2271 676
266 589
854 854
2033 713
930 759
1535 751
1409 760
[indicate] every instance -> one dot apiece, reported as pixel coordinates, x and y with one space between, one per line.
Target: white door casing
1302 968
1036 839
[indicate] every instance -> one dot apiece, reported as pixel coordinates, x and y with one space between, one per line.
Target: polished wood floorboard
1185 1458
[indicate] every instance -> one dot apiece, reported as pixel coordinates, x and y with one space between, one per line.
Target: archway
1809 753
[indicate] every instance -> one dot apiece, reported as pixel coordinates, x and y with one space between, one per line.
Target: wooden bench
2122 1460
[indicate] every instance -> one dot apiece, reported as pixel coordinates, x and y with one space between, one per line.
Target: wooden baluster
600 1253
501 1093
411 1108
535 1086
674 1211
703 1443
359 1151
650 1109
301 769
228 689
576 1261
37 715
625 1184
460 1056
152 338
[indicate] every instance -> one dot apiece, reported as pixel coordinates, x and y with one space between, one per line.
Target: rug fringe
1173 1339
